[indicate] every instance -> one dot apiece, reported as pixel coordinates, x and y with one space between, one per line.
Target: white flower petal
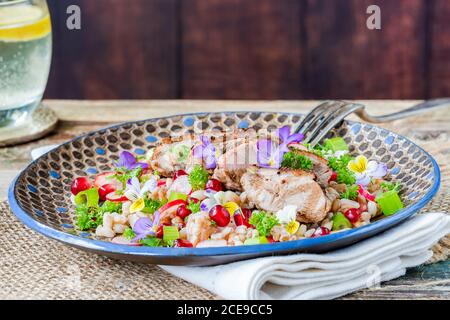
219 197
132 195
149 186
287 214
135 184
362 179
371 167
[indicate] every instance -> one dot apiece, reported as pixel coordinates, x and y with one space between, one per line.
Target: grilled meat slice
271 190
172 154
320 165
234 163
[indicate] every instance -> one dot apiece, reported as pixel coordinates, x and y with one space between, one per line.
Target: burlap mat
34 267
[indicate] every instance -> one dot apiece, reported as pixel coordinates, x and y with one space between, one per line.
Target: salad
229 189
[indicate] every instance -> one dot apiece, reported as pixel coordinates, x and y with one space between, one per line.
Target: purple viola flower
128 161
206 151
285 136
144 227
269 154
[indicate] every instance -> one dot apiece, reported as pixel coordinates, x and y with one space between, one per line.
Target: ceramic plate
40 195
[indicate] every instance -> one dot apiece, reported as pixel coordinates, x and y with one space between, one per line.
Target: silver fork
323 118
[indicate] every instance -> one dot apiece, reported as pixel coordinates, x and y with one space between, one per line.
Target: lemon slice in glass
23 23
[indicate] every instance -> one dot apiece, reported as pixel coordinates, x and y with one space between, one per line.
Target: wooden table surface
431 131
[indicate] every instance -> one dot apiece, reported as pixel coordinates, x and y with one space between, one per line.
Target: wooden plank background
251 49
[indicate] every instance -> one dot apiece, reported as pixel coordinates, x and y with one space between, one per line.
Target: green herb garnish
88 217
294 160
389 186
194 207
351 193
123 175
156 242
198 177
129 234
339 165
152 205
152 242
263 222
110 206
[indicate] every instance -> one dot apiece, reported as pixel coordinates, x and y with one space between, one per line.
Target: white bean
309 233
102 231
222 234
372 208
365 216
199 194
349 203
119 228
211 243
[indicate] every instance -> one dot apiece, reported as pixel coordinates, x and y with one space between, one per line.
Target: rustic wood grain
247 49
125 49
439 42
345 59
241 49
432 130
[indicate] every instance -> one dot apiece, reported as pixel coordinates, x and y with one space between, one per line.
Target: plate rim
262 249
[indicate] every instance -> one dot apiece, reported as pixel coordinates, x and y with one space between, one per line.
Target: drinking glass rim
13 2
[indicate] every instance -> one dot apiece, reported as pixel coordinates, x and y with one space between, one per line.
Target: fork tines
323 118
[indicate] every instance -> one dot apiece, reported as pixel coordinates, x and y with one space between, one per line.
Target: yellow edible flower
137 205
359 165
231 207
292 226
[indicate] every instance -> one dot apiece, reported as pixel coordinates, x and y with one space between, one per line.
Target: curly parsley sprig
263 222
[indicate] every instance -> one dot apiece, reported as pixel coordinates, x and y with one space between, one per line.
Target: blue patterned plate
39 196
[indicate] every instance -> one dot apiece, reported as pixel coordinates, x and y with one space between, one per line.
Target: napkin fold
320 276
329 275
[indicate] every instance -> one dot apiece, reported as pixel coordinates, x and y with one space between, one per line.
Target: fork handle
415 110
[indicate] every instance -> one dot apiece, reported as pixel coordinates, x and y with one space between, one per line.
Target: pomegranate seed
192 199
242 218
333 176
104 190
80 184
214 184
321 231
352 214
160 231
180 243
219 215
161 183
179 173
183 212
238 218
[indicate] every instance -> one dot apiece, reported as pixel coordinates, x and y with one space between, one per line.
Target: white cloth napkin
321 276
324 276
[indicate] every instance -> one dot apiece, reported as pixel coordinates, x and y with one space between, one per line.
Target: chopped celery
257 240
340 222
389 202
336 144
88 197
170 233
177 196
